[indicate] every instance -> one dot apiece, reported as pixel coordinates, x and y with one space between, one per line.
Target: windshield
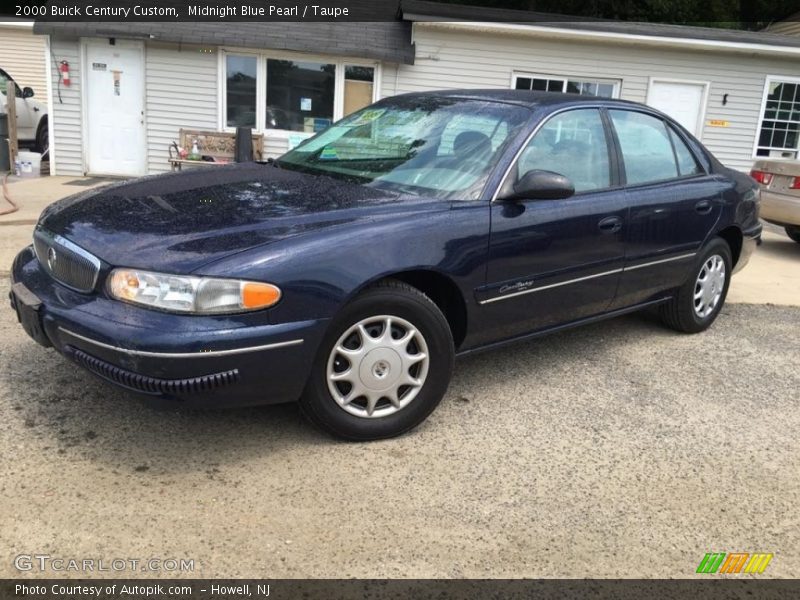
424 145
4 79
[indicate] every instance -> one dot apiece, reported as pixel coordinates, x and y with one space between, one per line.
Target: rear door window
687 165
646 147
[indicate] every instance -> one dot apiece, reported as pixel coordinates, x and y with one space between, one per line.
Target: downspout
50 105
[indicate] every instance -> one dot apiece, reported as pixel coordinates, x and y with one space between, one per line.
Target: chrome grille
66 262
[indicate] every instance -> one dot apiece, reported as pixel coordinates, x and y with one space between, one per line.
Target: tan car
780 193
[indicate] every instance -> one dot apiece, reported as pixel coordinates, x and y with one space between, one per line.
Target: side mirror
540 185
27 92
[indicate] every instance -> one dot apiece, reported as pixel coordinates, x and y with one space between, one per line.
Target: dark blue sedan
350 272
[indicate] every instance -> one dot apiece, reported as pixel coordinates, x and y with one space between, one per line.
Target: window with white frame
241 74
287 94
299 95
586 86
779 128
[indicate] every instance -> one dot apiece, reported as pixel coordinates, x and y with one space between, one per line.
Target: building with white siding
134 85
22 55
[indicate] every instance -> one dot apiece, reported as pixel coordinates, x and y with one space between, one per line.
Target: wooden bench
218 144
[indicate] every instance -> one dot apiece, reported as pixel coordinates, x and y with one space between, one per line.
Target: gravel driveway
618 449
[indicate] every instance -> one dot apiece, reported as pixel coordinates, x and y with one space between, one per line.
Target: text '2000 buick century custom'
351 271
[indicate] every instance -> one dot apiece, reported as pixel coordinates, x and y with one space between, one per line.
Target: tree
739 14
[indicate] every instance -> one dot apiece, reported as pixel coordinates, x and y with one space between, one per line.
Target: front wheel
43 139
697 302
793 231
382 367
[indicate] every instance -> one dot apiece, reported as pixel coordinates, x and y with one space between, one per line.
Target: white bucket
30 163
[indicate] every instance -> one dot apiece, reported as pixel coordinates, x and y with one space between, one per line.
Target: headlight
187 294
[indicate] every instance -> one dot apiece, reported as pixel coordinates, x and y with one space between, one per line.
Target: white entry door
683 101
114 91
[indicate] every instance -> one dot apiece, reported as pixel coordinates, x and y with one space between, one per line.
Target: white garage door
684 102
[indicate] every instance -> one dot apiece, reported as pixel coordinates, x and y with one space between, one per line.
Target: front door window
573 144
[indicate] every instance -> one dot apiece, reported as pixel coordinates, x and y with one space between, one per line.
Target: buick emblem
52 257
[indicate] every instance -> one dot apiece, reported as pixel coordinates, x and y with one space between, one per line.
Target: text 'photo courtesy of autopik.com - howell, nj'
399 299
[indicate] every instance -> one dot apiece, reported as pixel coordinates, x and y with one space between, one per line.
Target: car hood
180 222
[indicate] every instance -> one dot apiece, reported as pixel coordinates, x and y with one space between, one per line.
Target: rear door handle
703 207
610 225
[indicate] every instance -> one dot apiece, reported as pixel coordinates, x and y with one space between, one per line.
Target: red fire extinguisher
64 68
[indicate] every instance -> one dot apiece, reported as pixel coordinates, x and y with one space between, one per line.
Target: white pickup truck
31 115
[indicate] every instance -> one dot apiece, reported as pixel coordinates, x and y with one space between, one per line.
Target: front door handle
703 207
610 225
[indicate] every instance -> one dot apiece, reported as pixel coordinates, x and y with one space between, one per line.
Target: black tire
43 138
679 312
793 231
397 299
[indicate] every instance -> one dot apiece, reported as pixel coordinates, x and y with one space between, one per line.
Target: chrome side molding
596 275
200 354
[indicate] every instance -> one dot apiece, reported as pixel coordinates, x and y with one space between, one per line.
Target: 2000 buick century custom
349 272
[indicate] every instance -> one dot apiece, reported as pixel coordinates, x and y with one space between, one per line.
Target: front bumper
202 361
780 209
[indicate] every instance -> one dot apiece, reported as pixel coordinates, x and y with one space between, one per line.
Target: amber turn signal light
259 295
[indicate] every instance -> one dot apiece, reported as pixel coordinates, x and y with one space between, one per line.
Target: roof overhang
386 41
17 24
559 31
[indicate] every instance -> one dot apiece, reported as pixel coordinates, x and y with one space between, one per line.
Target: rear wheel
793 231
383 366
697 302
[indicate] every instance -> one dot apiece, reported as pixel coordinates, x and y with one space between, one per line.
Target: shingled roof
421 10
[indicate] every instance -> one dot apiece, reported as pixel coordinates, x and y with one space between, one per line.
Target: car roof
526 98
